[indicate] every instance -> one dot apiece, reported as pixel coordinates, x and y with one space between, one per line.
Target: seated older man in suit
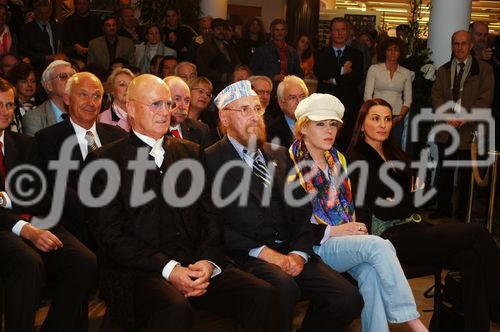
181 126
158 259
52 111
265 234
27 251
83 96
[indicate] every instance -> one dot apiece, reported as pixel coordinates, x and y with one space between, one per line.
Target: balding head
83 95
148 106
181 96
461 44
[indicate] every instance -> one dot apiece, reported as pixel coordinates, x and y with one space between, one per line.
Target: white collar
80 131
149 140
2 140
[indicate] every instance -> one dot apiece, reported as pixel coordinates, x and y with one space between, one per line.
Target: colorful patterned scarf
332 204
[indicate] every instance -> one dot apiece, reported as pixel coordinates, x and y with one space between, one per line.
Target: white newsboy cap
234 92
319 107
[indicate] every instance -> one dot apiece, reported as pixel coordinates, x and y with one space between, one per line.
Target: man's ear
66 99
130 109
224 118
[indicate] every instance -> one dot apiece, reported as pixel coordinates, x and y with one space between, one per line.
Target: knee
288 290
29 262
350 303
85 267
380 245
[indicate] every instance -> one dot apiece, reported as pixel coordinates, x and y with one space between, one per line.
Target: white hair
254 78
49 71
184 63
291 79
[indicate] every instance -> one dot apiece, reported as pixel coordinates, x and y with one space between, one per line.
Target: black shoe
440 214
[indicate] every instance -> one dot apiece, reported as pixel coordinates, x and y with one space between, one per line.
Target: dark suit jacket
144 238
50 141
278 226
20 150
34 45
214 65
266 61
346 89
279 128
197 132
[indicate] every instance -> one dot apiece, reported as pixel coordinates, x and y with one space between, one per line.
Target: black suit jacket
50 141
20 150
326 68
279 128
34 45
278 226
214 65
197 132
144 238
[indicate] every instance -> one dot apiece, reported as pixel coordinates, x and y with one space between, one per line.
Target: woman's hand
350 228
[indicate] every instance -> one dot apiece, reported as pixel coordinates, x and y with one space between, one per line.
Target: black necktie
339 55
45 33
259 168
456 82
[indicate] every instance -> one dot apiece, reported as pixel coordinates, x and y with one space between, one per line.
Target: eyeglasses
156 106
247 111
8 106
203 92
262 92
296 98
63 76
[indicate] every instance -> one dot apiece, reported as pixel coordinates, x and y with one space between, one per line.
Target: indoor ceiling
395 12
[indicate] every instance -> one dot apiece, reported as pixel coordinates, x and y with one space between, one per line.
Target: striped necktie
259 168
91 144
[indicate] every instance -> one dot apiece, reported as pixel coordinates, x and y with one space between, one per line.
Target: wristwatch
2 200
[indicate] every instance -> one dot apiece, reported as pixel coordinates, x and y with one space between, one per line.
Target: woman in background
306 54
340 240
117 85
146 51
389 81
468 248
22 77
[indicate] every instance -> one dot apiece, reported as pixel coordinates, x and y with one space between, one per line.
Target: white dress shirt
80 136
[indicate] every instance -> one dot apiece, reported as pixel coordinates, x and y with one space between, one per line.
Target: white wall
271 9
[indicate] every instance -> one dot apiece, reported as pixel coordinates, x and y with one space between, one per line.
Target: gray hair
184 63
291 79
49 71
254 78
72 80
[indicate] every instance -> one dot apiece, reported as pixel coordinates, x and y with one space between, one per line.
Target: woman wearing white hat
342 242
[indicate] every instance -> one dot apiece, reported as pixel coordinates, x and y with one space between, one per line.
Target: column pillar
447 16
214 8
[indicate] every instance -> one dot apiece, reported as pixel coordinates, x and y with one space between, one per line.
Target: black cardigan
377 187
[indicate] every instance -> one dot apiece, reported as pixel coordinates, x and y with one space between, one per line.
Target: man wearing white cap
268 237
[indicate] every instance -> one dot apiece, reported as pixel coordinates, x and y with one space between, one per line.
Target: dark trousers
468 248
24 270
159 306
446 183
335 302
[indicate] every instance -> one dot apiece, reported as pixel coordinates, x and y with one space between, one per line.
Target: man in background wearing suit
41 39
158 260
181 126
52 111
272 239
83 96
339 69
26 251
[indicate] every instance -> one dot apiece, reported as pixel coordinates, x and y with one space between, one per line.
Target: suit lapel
279 172
67 131
186 131
49 114
11 158
104 135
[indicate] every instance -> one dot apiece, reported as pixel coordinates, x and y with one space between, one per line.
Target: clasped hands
292 264
193 280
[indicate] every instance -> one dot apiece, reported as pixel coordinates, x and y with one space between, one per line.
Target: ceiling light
391 10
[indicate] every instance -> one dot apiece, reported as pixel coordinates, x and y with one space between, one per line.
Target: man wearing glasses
181 126
290 92
83 96
263 234
52 111
160 260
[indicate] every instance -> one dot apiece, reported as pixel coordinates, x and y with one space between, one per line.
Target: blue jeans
372 261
